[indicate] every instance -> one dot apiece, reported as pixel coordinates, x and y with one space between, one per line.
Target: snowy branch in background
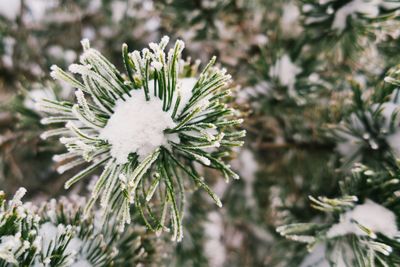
345 26
56 234
366 229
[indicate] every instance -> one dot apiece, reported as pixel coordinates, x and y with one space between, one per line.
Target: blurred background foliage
303 83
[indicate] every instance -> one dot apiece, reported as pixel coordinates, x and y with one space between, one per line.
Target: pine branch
185 118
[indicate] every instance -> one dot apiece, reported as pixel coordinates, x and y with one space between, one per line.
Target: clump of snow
10 9
74 246
290 23
59 53
370 215
37 94
7 59
247 167
285 71
214 249
220 186
137 126
277 204
118 9
48 232
341 256
152 24
261 89
392 29
261 39
393 139
37 9
316 258
351 144
372 60
81 263
16 200
94 5
364 7
9 245
88 33
184 88
387 110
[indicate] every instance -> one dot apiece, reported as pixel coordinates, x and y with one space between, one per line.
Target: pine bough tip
145 129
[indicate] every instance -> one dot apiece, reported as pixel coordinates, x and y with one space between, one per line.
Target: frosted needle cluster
144 130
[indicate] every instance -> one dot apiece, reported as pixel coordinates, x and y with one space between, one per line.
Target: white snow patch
59 53
81 263
94 5
364 7
370 215
394 142
316 258
137 126
220 187
285 70
9 244
348 147
152 24
261 89
290 23
387 110
247 167
260 39
372 59
351 144
341 256
10 8
393 139
118 9
36 95
214 249
74 246
55 51
37 9
106 31
88 33
185 87
48 232
70 55
16 200
8 43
